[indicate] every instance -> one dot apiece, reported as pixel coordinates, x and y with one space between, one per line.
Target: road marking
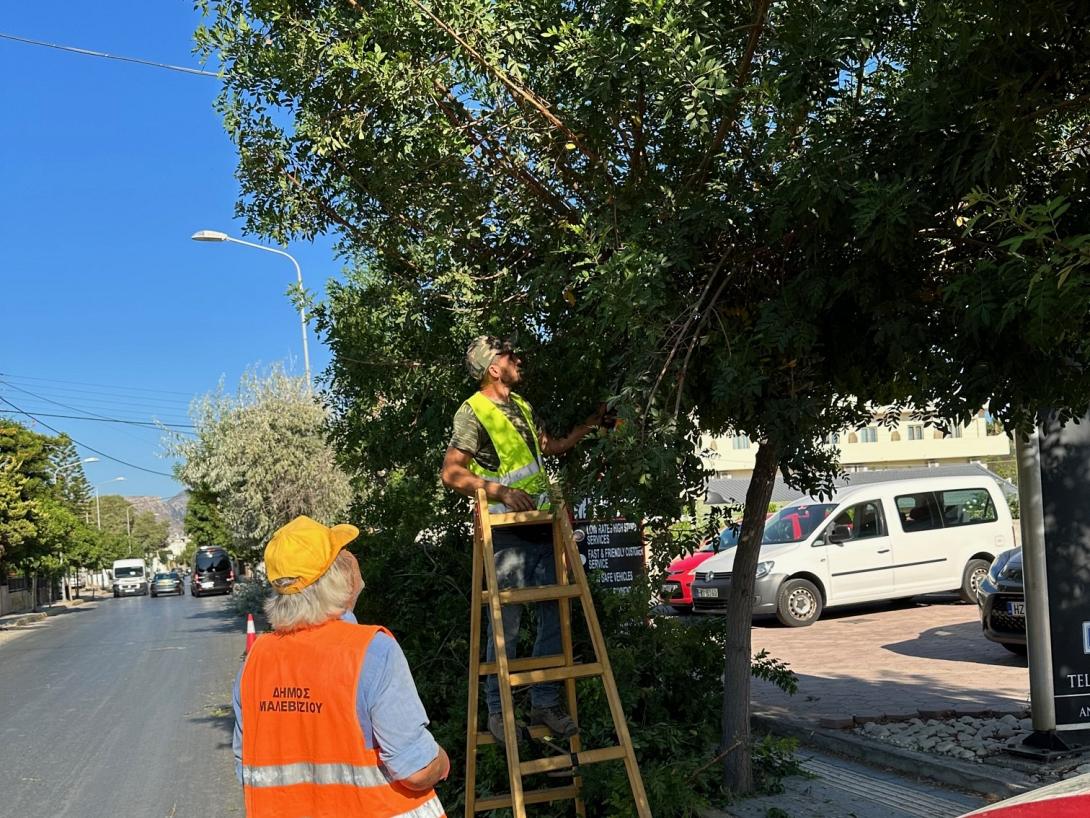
880 791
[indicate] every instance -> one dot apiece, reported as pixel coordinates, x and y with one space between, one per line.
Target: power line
88 53
58 403
83 445
151 426
100 385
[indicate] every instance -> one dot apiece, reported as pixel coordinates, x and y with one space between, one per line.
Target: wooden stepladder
571 584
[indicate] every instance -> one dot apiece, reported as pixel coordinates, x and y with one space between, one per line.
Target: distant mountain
170 509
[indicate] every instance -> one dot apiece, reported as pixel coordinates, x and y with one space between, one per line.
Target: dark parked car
212 572
167 582
1002 599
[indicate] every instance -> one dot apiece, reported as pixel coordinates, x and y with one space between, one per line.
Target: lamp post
98 507
215 235
60 469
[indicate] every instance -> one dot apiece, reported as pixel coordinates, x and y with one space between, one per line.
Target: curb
25 619
978 778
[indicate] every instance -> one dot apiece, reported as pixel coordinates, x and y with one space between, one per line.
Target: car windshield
132 571
728 538
213 561
795 523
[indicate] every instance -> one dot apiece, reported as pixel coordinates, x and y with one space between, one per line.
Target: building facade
906 444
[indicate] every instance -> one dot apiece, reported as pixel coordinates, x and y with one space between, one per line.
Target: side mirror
839 533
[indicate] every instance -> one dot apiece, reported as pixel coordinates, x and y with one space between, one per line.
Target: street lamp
60 469
215 235
98 508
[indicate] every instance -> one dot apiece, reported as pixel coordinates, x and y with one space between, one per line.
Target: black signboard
612 552
1065 488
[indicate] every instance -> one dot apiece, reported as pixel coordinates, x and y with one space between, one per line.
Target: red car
677 589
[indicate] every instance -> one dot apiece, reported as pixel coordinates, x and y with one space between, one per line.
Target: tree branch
731 116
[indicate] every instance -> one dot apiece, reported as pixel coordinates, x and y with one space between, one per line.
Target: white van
130 578
869 542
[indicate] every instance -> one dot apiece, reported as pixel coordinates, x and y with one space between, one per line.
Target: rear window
213 561
929 510
966 507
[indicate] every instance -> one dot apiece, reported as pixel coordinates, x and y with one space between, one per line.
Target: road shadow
220 619
959 642
221 717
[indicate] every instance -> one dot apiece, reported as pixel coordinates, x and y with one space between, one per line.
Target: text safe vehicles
1001 596
130 577
869 542
167 582
212 572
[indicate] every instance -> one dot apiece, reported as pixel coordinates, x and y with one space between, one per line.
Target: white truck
130 578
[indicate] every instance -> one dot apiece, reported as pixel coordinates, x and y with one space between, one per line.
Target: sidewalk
832 787
14 621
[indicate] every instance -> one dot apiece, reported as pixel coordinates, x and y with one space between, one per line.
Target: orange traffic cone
251 633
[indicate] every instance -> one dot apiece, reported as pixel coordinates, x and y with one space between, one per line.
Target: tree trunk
737 766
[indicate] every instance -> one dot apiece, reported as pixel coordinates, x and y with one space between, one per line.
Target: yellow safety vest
520 468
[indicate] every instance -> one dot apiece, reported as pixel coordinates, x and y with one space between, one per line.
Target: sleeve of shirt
466 436
387 697
236 739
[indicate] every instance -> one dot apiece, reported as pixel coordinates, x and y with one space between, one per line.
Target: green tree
25 482
69 479
763 218
203 521
264 456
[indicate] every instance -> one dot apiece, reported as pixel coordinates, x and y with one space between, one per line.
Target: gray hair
325 598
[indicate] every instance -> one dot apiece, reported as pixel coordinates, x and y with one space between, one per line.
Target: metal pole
302 311
1031 506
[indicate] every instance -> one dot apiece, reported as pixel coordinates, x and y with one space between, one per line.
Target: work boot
559 722
495 727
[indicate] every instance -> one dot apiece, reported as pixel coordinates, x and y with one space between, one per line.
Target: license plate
705 593
208 584
1016 608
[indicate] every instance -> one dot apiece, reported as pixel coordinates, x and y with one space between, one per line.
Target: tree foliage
203 522
758 217
42 522
264 456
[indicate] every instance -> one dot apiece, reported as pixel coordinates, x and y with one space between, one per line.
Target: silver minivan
869 542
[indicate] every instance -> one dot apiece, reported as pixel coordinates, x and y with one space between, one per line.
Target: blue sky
106 305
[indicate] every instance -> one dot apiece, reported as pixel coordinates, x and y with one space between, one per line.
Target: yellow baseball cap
303 550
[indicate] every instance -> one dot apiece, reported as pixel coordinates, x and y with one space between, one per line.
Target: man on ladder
497 445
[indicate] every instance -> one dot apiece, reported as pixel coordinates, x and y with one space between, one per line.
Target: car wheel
798 603
975 571
1019 649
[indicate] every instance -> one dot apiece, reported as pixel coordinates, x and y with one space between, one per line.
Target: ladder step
538 593
556 674
542 765
520 518
525 663
536 731
531 797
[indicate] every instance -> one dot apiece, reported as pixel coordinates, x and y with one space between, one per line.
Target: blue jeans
524 558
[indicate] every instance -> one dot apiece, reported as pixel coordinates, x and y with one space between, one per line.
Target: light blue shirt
388 707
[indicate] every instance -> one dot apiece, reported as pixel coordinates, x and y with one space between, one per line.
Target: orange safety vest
303 752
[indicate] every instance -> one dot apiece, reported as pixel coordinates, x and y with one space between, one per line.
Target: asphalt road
121 708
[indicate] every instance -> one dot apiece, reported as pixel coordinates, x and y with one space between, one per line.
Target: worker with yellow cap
328 722
497 445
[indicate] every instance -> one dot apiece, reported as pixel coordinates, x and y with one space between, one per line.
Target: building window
833 439
915 432
868 435
740 442
955 429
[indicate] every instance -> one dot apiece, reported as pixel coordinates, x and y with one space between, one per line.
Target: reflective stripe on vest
519 466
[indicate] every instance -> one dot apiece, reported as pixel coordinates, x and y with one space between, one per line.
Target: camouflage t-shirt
471 437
